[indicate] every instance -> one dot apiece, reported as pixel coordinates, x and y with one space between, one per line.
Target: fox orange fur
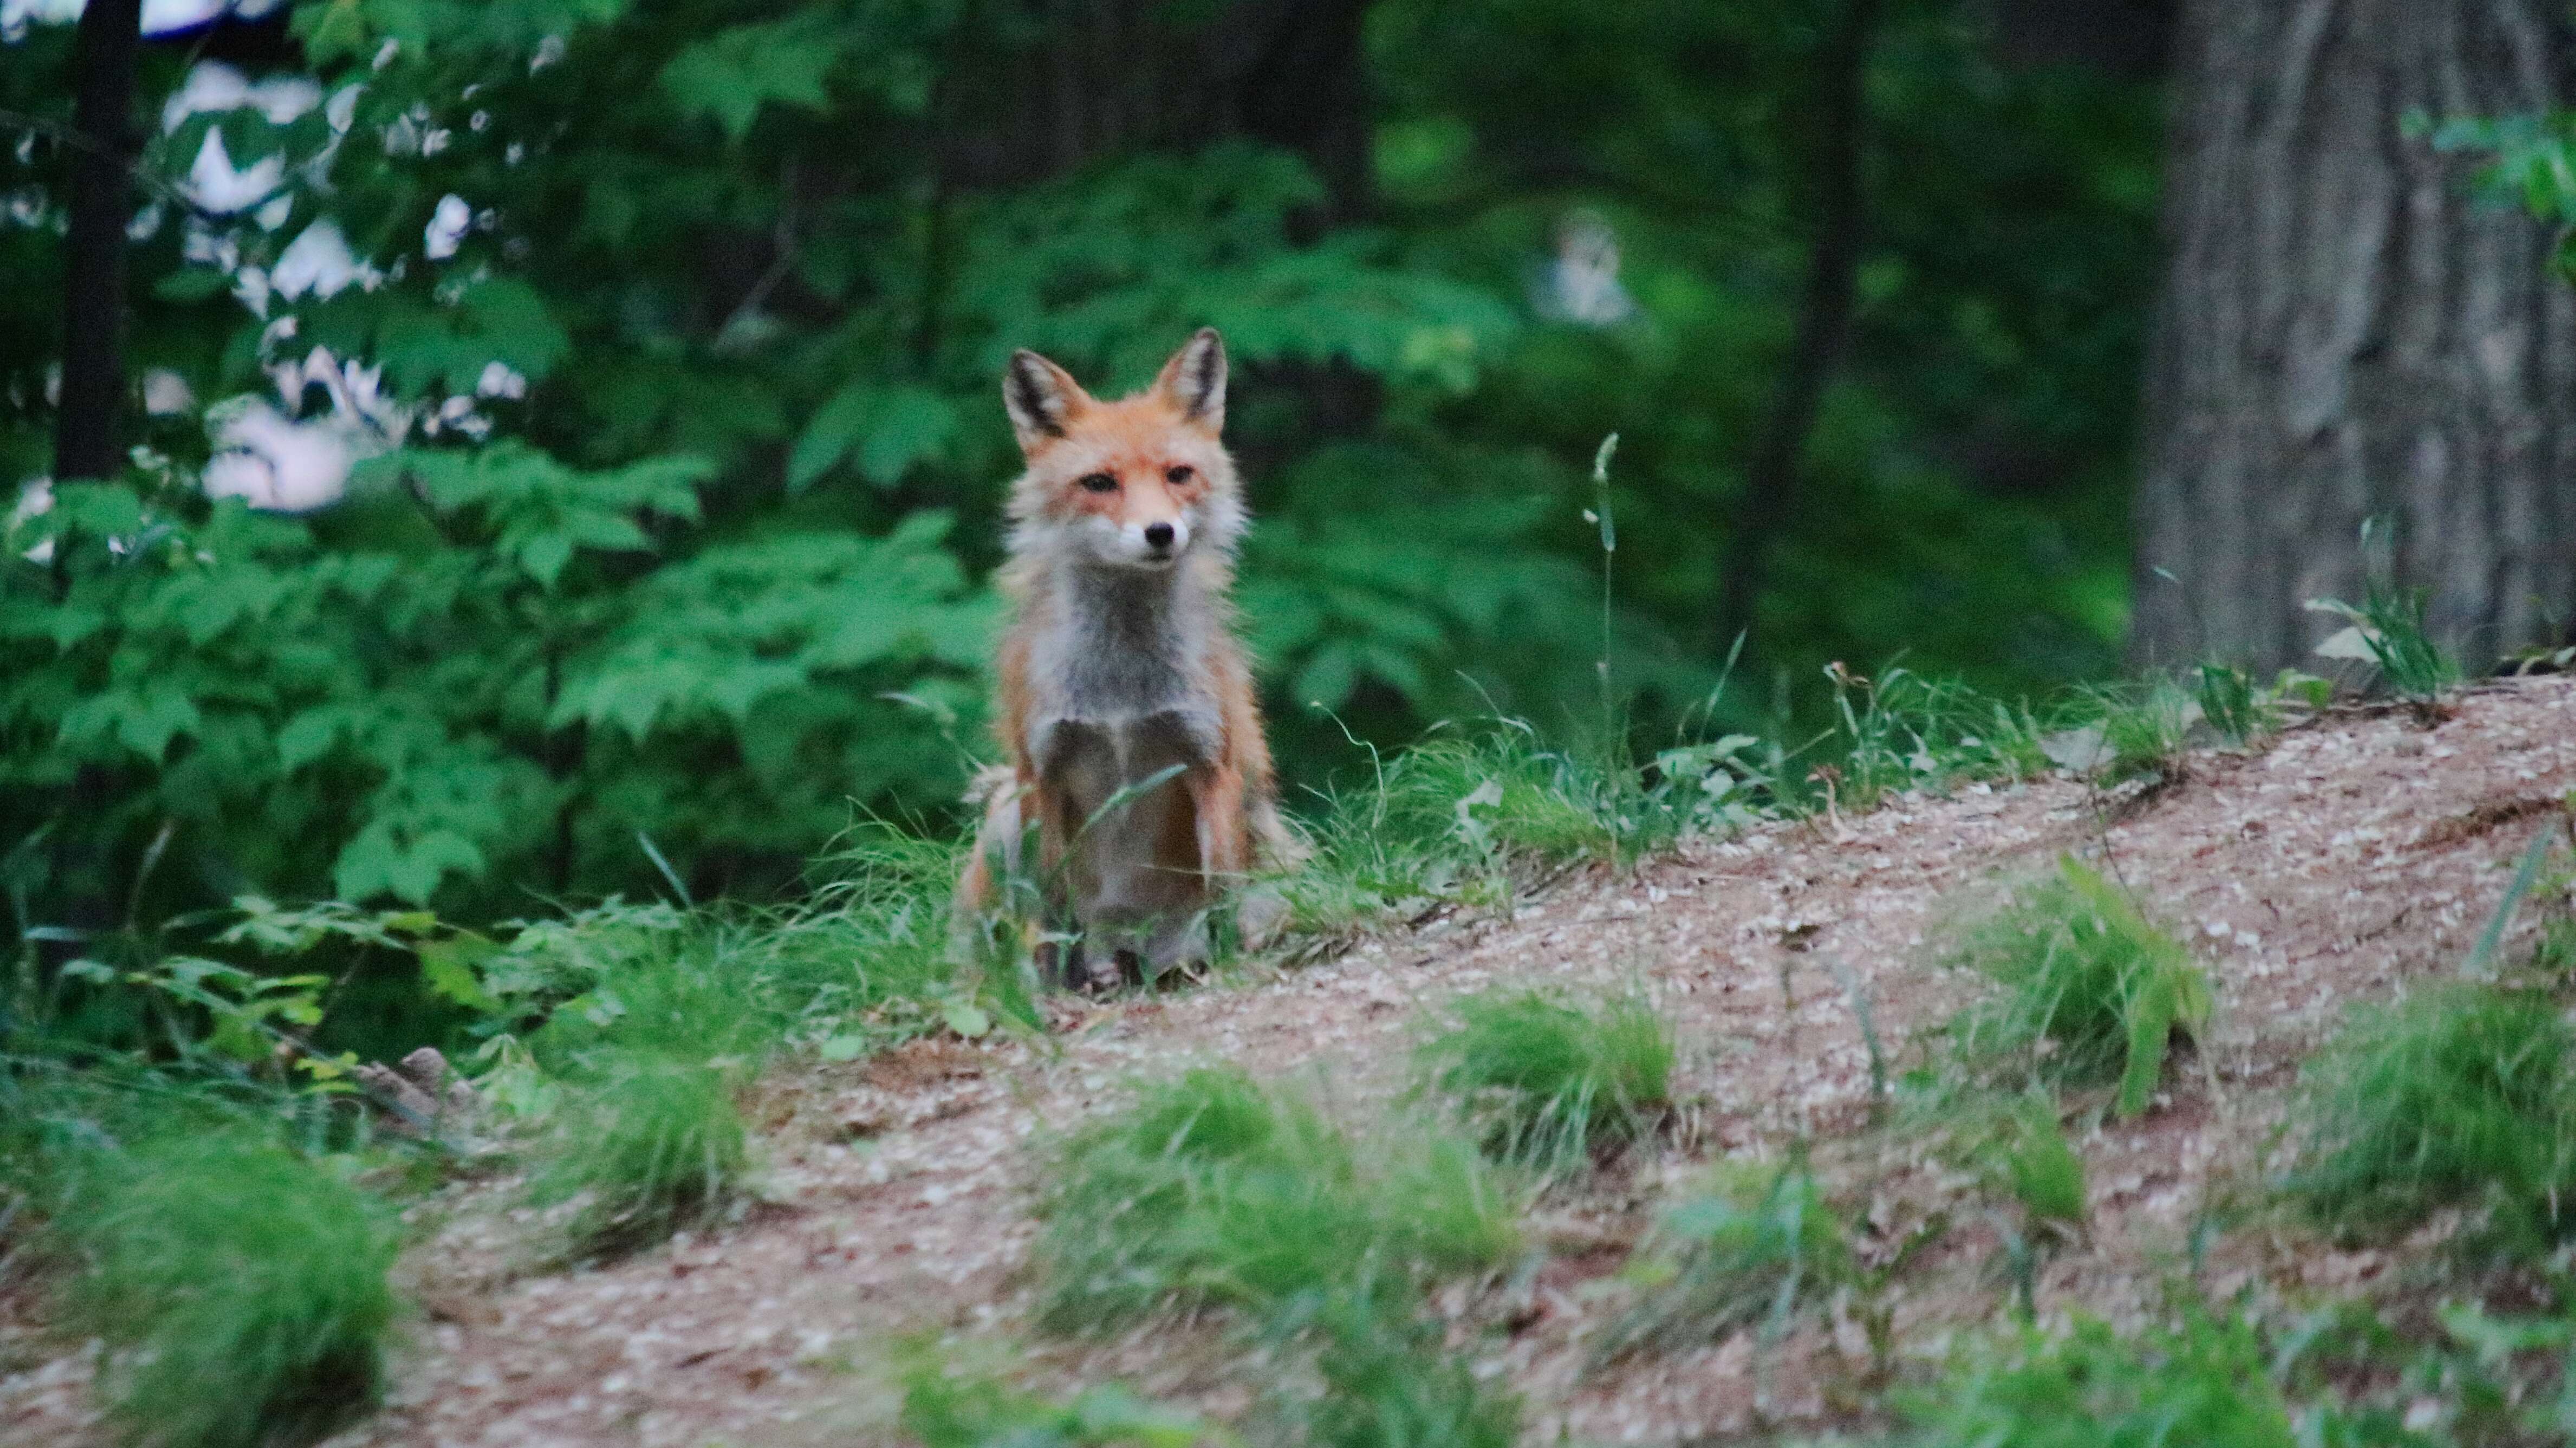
1124 701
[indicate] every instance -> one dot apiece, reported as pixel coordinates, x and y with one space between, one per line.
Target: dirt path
2349 855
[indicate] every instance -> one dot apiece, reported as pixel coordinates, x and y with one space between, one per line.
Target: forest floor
2334 864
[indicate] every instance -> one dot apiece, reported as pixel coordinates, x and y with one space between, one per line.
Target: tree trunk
2347 333
1772 481
1094 78
93 385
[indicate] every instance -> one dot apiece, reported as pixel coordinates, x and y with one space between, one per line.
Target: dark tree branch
93 387
1771 481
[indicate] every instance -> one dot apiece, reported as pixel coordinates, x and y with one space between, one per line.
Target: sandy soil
2350 855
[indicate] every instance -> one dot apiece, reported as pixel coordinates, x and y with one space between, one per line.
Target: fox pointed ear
1041 397
1194 380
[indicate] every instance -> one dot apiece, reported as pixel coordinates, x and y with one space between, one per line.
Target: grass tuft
1214 1191
650 1145
944 1407
2204 1384
2091 990
1753 1248
2456 1096
1389 1381
240 1287
1550 1084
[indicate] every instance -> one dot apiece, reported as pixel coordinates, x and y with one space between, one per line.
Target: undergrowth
2458 1095
1549 1084
2088 990
1215 1190
2204 1383
240 1286
650 1145
1750 1248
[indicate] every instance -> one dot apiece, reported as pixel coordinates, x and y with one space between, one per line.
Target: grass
2088 989
2458 1096
2203 1384
653 1144
946 1407
1216 1191
1386 1379
240 1286
1751 1248
1477 814
2387 630
1549 1084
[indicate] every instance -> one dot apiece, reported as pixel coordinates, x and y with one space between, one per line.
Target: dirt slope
2349 855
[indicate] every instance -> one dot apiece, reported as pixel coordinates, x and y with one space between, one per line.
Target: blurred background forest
551 441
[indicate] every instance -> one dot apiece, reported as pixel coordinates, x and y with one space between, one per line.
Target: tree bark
1771 479
2346 332
86 415
1104 77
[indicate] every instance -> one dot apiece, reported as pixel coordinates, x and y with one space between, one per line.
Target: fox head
1141 482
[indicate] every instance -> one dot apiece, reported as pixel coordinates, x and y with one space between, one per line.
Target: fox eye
1097 483
1178 473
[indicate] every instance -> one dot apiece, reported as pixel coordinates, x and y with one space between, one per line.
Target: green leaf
966 1018
908 426
828 437
447 967
735 72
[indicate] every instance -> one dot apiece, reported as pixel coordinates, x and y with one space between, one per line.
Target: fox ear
1041 397
1195 380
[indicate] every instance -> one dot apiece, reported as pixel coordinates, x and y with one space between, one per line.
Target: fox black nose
1158 535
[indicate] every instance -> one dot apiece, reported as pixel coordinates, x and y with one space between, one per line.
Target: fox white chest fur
1120 715
1125 704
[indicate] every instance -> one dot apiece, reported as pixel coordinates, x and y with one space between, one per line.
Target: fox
1124 702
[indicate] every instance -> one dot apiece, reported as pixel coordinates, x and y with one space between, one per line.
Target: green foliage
1551 1084
946 1408
2458 1095
1214 1190
241 1287
2386 630
1905 730
2203 1383
2089 990
1388 1381
1472 815
1752 1247
679 473
649 1144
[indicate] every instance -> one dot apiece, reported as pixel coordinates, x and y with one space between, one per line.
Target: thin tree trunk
1771 479
93 385
2346 333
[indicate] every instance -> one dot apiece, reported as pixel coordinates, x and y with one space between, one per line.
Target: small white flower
318 261
499 380
447 227
216 185
165 392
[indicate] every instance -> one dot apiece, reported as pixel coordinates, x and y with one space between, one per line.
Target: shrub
241 1287
2091 991
1550 1083
2456 1096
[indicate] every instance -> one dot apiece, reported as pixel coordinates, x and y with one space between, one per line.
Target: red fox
1124 702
